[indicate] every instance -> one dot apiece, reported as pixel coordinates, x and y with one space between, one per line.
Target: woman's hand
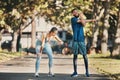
39 54
41 48
60 42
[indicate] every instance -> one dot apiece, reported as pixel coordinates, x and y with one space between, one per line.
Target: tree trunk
33 35
18 45
116 49
104 41
95 27
98 12
0 39
14 41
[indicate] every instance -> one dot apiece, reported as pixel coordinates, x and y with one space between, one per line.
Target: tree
98 12
15 13
116 48
33 31
106 5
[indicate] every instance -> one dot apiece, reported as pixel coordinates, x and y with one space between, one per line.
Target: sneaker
87 74
74 74
36 75
51 75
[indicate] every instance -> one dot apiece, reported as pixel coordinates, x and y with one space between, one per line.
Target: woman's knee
50 56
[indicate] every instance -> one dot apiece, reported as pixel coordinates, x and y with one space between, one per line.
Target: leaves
56 11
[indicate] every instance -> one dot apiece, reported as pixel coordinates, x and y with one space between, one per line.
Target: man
78 23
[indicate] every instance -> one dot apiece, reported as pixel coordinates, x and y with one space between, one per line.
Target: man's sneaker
36 75
87 74
51 75
74 74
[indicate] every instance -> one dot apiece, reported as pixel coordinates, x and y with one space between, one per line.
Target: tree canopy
14 13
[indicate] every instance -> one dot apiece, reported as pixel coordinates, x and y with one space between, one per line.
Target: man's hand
93 20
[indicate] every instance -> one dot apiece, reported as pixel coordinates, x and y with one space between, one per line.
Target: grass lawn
106 65
4 55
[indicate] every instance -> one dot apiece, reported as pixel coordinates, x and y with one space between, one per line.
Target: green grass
4 55
106 65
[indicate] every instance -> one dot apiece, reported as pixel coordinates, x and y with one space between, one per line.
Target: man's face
75 13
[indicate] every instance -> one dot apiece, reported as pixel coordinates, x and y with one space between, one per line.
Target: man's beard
77 16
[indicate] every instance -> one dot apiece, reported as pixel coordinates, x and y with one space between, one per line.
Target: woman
45 43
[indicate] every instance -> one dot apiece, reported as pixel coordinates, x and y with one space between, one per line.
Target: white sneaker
36 75
51 74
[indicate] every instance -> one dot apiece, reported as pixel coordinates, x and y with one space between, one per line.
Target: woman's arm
43 42
58 39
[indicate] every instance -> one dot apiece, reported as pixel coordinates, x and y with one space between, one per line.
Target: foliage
113 18
14 12
55 11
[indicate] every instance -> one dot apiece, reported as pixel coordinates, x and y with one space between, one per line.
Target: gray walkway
23 69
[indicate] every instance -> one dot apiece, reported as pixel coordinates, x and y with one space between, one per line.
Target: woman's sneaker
51 75
36 75
74 74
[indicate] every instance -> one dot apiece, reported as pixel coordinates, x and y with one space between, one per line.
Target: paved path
23 69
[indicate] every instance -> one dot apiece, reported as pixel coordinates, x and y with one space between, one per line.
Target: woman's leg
50 56
37 64
38 58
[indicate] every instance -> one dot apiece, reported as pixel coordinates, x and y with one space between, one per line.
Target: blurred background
23 21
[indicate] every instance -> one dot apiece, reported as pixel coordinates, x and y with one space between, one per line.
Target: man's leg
74 66
75 63
82 49
86 65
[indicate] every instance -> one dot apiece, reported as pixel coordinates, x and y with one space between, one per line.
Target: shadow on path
43 76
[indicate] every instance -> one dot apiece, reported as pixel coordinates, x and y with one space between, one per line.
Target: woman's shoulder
41 35
44 34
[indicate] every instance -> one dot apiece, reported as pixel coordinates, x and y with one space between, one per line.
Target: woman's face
54 33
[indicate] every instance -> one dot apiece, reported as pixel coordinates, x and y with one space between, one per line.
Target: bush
6 45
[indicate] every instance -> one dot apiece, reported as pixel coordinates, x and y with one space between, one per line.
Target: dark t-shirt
78 33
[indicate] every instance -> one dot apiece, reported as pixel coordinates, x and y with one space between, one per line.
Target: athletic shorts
79 48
